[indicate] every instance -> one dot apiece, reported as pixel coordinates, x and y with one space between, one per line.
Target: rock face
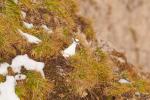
124 23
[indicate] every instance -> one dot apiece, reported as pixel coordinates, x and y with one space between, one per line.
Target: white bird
47 29
70 51
15 1
28 25
20 77
28 63
23 14
3 68
7 89
30 38
123 81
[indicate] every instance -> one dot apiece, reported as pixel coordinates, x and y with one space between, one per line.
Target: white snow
123 81
47 29
121 60
20 77
28 25
30 38
3 68
28 63
70 51
137 93
7 89
23 14
15 1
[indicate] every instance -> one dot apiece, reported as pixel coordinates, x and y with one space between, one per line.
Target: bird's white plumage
28 25
70 51
28 63
29 38
123 81
47 29
7 89
3 68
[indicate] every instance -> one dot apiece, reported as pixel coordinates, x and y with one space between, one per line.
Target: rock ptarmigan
70 51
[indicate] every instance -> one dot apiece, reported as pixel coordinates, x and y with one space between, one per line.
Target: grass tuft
35 87
88 72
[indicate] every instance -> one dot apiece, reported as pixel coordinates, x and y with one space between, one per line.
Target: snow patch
70 51
121 60
48 30
123 81
28 63
28 25
15 1
137 93
7 89
30 38
23 14
3 68
19 77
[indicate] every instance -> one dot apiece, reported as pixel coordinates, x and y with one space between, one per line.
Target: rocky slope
124 23
93 73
